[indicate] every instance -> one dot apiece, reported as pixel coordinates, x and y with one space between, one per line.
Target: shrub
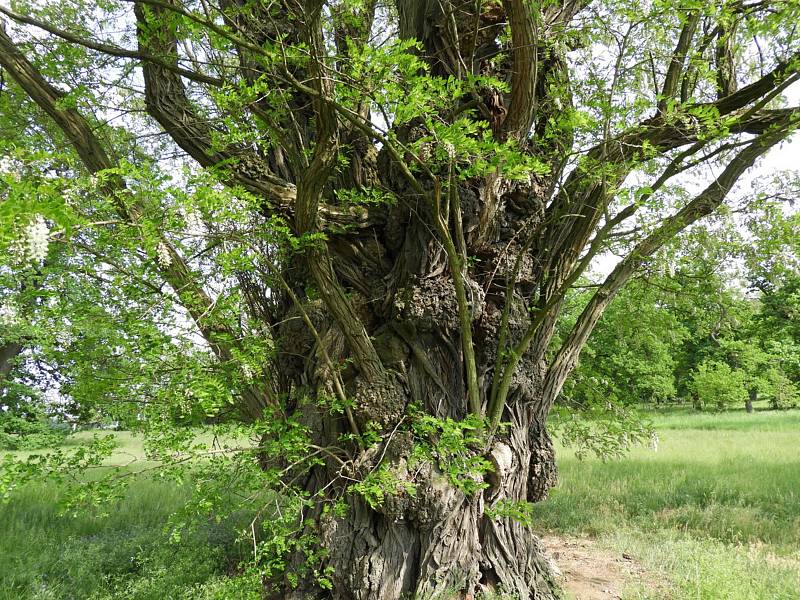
716 384
781 391
17 433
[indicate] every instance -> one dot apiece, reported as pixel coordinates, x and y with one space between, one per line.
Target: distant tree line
700 335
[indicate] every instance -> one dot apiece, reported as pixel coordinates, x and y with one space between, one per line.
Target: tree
395 201
716 384
631 353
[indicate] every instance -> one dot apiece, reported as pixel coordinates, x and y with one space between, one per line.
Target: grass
44 556
714 514
716 510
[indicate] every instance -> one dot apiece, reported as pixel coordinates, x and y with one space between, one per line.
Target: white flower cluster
64 338
11 166
8 315
194 223
425 152
449 149
163 257
35 239
248 373
71 195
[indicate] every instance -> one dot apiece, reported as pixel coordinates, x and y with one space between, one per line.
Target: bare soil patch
590 572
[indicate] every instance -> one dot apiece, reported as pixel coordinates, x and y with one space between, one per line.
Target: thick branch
309 191
8 353
577 209
523 82
726 61
759 88
675 68
168 103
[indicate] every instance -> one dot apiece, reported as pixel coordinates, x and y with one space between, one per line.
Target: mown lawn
715 511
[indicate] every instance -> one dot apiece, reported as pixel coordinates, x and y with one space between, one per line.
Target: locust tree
394 201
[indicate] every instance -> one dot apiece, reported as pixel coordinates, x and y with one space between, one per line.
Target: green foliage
688 321
522 512
782 392
379 483
455 447
716 384
631 356
24 423
606 430
365 196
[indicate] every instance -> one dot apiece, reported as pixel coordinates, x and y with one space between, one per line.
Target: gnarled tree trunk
437 540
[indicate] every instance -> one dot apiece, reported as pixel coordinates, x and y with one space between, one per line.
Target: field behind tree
714 513
128 553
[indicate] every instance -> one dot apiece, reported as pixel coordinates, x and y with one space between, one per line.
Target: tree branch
94 156
524 70
702 205
167 103
111 49
310 189
672 78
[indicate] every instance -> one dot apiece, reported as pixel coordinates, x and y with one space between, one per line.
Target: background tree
395 201
697 304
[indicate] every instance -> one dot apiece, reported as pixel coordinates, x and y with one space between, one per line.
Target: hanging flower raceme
163 257
8 315
35 240
449 149
12 167
194 222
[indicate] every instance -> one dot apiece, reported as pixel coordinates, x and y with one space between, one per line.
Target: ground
589 571
714 514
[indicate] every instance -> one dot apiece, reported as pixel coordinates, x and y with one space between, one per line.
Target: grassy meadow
126 555
714 513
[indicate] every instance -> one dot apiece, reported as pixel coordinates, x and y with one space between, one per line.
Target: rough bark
442 541
440 538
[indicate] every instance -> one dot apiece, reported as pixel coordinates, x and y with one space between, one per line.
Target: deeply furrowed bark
437 541
441 542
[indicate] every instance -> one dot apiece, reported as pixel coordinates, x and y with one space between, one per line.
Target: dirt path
589 572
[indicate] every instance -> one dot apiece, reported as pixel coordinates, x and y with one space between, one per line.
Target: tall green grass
715 510
714 514
126 555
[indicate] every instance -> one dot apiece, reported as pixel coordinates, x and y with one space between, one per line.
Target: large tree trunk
438 540
441 542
